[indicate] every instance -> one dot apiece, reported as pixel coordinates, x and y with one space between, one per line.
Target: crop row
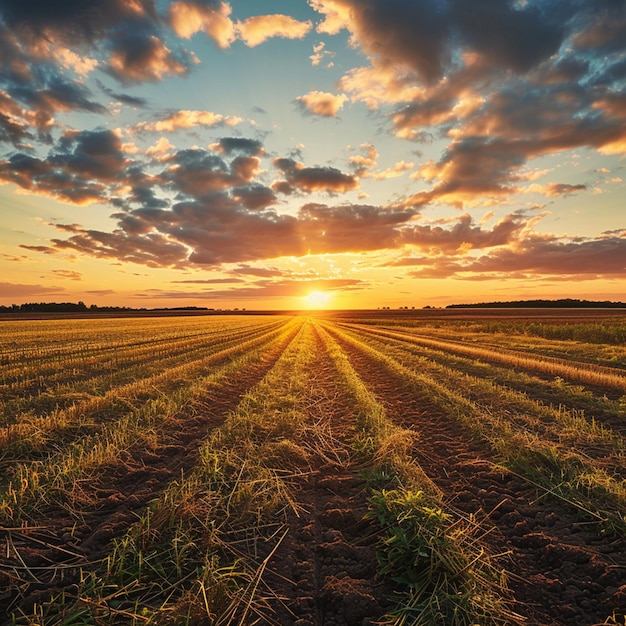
204 543
47 452
596 343
602 376
560 448
73 362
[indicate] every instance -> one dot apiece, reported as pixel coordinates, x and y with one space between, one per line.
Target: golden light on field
317 299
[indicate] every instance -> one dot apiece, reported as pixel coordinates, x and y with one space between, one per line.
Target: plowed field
313 470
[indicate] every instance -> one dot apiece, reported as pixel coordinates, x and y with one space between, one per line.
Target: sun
317 299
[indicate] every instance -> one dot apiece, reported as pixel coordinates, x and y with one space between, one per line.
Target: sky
288 154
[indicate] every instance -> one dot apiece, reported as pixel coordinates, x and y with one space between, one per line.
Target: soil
43 559
327 562
562 571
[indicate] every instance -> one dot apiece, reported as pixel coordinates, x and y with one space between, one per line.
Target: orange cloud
322 103
257 29
187 119
19 291
364 162
394 172
557 189
319 54
160 149
188 18
336 15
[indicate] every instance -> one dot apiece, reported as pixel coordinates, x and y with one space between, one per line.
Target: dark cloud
413 34
151 249
72 19
464 235
12 131
602 257
33 91
42 44
122 97
93 154
196 172
535 257
502 81
308 179
512 36
40 176
41 249
471 168
217 229
254 196
137 56
80 169
425 36
600 27
248 147
350 228
515 125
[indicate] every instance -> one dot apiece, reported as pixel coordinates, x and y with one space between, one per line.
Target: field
396 467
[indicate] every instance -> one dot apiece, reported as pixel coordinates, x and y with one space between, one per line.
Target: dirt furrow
325 568
561 570
45 558
540 387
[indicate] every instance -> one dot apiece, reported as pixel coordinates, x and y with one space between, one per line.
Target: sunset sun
317 300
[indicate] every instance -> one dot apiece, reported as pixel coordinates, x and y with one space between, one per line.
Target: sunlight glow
317 300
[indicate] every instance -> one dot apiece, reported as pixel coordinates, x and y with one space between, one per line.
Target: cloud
502 82
144 58
422 37
133 101
264 289
209 281
394 172
68 274
218 228
322 103
196 172
161 149
41 249
350 228
19 291
307 179
475 170
362 163
534 257
557 189
320 54
131 33
258 29
188 17
151 249
185 120
263 272
39 176
463 236
229 145
85 167
254 196
212 18
70 20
